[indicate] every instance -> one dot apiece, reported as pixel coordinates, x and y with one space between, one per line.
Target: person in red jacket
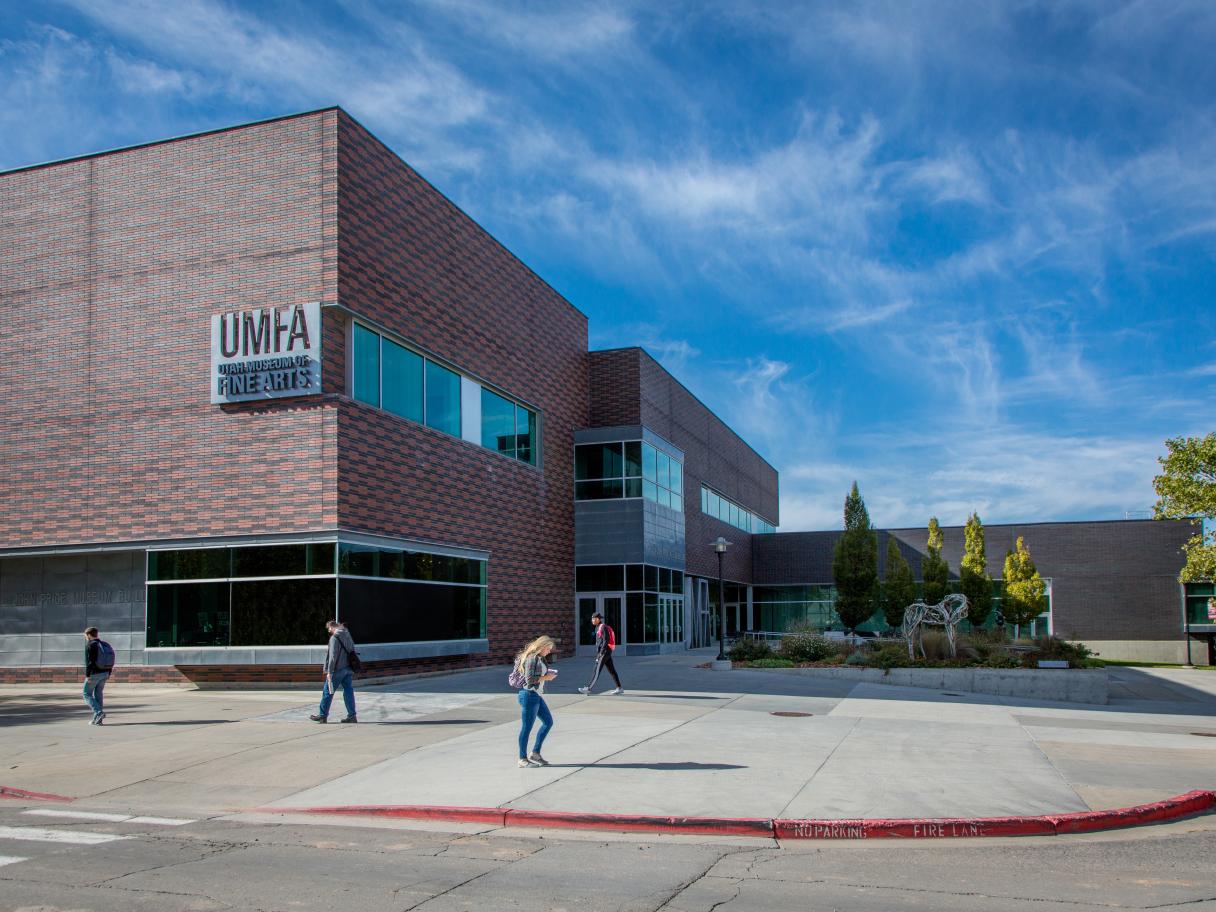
605 643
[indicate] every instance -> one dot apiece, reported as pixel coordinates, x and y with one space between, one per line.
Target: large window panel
289 612
442 399
497 423
188 614
379 611
367 365
188 563
402 386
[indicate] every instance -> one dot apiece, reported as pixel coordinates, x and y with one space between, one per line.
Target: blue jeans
533 705
94 684
344 679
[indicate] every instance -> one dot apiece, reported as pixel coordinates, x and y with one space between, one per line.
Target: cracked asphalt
229 864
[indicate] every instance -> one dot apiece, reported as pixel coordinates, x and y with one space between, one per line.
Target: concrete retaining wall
1069 685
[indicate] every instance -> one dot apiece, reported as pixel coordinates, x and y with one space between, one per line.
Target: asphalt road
221 864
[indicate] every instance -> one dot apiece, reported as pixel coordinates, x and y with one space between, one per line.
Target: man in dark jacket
338 673
96 673
605 643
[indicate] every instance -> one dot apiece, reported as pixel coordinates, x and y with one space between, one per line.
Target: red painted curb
1196 802
7 792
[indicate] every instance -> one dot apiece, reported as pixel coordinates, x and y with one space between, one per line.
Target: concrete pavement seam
822 764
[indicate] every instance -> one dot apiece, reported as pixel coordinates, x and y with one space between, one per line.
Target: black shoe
321 719
350 719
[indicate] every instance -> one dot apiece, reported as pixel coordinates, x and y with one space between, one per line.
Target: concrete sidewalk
683 741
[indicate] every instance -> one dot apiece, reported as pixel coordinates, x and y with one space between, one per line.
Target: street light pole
720 546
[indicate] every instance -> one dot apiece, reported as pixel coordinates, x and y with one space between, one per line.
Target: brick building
265 375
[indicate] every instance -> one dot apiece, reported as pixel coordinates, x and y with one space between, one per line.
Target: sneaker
101 717
537 760
526 764
350 719
617 692
585 690
321 719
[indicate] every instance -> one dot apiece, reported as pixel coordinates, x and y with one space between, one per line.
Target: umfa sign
266 354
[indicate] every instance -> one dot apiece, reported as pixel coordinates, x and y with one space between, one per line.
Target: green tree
899 590
855 564
974 581
934 571
1025 592
1186 489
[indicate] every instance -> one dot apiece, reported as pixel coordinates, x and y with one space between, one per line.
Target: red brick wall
630 387
412 262
113 266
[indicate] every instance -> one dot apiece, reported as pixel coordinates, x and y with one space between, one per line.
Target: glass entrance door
612 607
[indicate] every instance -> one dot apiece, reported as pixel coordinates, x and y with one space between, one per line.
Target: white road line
109 818
10 859
79 815
74 837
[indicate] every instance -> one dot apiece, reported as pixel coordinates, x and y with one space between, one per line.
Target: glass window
273 560
191 563
633 487
597 460
650 490
677 477
604 489
651 578
650 462
633 577
367 365
402 383
677 502
189 614
633 459
663 469
635 620
525 430
442 399
381 611
290 612
497 423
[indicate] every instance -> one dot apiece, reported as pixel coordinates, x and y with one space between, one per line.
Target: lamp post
720 545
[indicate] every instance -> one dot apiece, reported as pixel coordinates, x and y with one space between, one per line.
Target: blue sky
961 252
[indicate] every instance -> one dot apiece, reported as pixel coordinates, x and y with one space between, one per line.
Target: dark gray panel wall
609 532
1113 580
46 602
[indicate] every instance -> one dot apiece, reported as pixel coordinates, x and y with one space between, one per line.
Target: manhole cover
1205 734
791 715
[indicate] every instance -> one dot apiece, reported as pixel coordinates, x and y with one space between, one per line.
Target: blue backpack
105 656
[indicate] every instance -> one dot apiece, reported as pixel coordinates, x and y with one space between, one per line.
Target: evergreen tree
855 564
1025 592
975 583
1186 489
900 587
933 570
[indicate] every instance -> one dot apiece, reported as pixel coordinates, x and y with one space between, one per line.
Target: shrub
936 645
772 663
748 650
1049 647
805 647
857 658
889 655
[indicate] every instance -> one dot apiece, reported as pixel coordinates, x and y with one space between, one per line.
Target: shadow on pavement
672 767
429 722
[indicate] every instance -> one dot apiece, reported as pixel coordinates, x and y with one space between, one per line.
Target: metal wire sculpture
946 614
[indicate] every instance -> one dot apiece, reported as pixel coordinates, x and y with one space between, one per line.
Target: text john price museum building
264 376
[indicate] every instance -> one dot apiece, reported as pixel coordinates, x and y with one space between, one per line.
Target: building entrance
612 606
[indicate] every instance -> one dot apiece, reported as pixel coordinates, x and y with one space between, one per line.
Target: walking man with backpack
98 664
605 643
341 661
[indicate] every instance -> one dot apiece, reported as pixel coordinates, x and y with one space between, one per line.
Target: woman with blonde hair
530 663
